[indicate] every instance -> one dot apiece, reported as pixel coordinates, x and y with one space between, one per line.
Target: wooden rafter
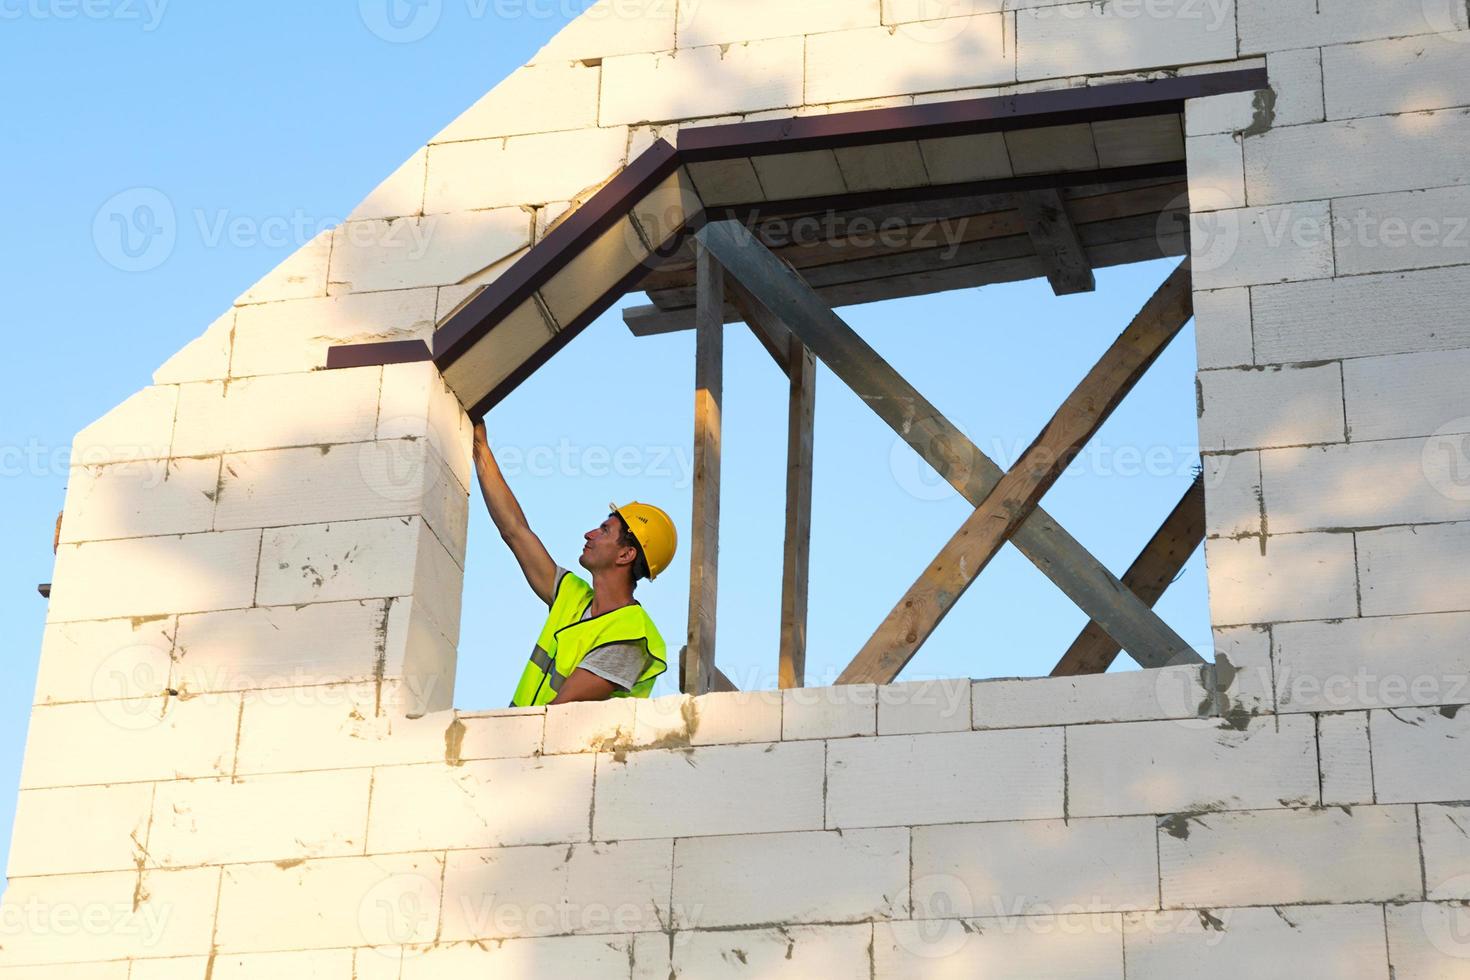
704 545
1084 579
1067 267
1148 577
1018 493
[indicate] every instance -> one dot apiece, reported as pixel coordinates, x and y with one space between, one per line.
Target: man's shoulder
569 584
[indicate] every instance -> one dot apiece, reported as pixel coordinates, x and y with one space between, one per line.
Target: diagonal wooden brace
1120 613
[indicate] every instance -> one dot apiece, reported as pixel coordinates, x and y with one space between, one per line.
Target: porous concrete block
924 707
1044 947
112 916
1410 746
788 953
652 957
729 717
1244 680
872 168
1283 577
1406 74
1408 395
117 970
267 412
341 726
495 802
1379 662
708 81
810 173
321 964
514 892
1296 80
301 275
1340 941
1174 766
140 428
1404 230
417 404
1414 569
1289 857
1389 153
613 27
871 62
1216 114
557 956
1216 175
944 778
205 358
143 577
1345 758
507 734
294 336
140 499
1052 148
1360 484
108 660
1033 867
824 876
1360 316
435 250
590 726
1131 695
1234 503
329 903
664 723
1251 246
1426 941
1255 408
362 481
77 830
829 712
1275 25
280 818
506 173
1445 835
955 159
399 195
130 741
703 24
1222 327
1086 39
713 790
541 98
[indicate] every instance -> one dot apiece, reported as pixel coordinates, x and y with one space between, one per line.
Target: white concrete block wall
251 769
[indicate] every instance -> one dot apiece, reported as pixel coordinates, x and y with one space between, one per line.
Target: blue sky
283 115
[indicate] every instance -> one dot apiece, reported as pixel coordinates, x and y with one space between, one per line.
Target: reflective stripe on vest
566 639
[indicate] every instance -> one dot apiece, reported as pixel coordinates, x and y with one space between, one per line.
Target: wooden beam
704 545
962 559
773 335
797 556
718 680
1057 554
1055 237
1151 573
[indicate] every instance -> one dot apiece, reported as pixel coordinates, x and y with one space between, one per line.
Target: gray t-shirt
620 663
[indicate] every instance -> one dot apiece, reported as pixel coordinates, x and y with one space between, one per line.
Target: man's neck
610 590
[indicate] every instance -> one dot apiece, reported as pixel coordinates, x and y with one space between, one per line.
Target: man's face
602 549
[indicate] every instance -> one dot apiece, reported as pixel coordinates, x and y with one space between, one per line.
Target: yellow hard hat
654 531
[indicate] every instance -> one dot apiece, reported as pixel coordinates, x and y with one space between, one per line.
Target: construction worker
598 642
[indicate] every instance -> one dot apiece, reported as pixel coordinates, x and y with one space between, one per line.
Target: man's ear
627 556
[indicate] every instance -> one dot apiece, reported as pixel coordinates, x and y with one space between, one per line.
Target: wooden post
797 560
704 534
1055 239
1152 572
1084 579
1015 497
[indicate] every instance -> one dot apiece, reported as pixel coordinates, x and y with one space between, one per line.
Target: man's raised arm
505 511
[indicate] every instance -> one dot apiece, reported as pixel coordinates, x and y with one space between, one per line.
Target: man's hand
510 520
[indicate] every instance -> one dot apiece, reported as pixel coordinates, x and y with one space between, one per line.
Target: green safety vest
567 638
